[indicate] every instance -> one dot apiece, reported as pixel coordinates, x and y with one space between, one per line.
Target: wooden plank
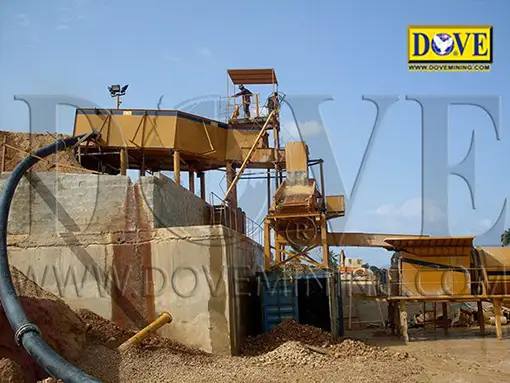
4 151
497 314
403 321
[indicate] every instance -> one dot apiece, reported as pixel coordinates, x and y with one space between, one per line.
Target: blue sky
344 49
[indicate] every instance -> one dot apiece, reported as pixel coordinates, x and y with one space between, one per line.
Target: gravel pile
10 371
288 330
291 344
102 331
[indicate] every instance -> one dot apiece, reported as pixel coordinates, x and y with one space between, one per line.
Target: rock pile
288 330
291 344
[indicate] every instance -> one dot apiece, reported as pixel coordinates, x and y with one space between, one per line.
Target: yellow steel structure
435 269
434 266
149 136
298 215
494 264
297 221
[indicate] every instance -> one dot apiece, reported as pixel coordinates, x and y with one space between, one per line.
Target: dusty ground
290 353
464 355
20 144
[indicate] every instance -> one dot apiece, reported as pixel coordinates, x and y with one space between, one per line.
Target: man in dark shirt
273 102
246 99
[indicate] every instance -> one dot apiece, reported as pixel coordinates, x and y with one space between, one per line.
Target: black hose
26 333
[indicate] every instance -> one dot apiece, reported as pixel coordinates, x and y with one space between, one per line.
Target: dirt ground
289 353
19 145
464 355
297 353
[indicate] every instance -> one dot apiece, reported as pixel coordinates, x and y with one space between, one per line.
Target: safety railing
233 108
235 219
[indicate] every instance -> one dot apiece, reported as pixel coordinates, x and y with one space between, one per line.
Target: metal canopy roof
252 76
403 243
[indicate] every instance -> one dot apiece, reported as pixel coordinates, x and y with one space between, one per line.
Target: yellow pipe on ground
136 339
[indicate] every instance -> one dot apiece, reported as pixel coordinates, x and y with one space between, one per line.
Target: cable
26 333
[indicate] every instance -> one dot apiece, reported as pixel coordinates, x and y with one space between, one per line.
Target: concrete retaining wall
172 205
56 202
188 271
206 270
82 202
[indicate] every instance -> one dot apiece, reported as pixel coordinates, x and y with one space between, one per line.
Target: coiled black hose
26 333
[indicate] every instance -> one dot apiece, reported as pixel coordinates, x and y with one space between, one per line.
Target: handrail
248 156
254 232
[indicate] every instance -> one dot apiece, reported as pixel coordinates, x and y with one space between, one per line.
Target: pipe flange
27 327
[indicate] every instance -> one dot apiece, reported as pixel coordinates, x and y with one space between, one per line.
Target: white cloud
483 225
306 128
62 27
204 52
409 210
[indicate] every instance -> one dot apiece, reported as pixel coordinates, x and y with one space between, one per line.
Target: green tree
505 238
333 259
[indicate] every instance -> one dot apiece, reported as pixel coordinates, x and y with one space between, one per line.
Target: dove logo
445 44
442 44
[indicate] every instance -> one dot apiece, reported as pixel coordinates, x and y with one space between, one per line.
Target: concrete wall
56 202
73 272
198 274
206 270
172 204
92 241
244 257
82 202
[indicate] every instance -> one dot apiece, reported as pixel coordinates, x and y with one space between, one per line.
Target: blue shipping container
280 298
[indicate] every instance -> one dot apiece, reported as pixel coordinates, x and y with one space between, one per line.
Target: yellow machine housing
495 262
434 266
152 134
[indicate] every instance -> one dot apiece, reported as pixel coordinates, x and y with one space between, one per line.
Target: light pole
116 91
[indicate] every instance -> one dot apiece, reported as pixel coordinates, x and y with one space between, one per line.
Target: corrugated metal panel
279 301
252 76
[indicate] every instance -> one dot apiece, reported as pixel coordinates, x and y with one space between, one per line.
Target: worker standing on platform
272 102
246 94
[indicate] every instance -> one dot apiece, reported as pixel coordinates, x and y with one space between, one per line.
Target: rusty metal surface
428 243
365 239
252 76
